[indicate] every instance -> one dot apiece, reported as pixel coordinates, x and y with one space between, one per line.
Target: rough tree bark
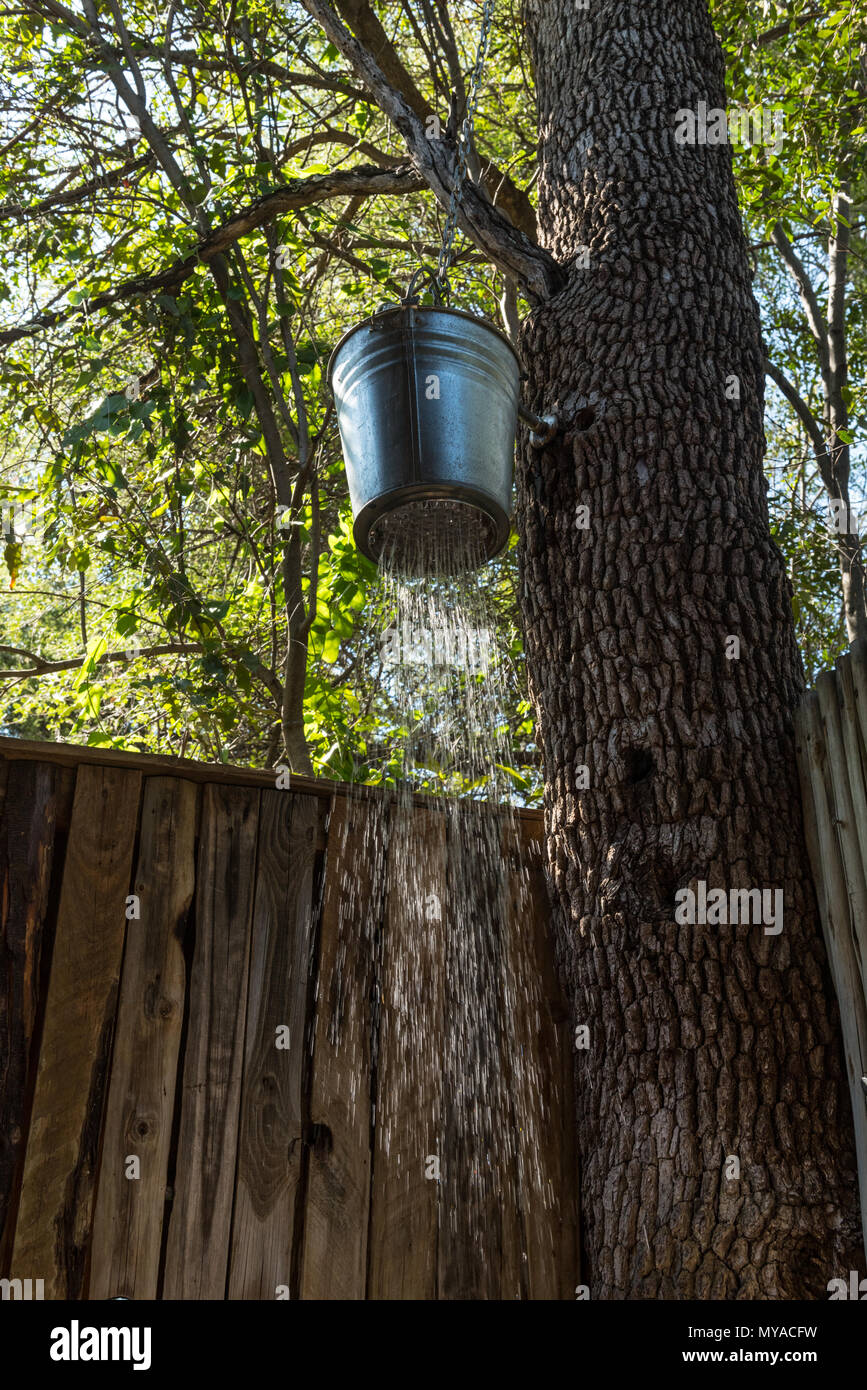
706 1041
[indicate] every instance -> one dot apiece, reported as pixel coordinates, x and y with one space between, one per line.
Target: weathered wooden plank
541 1078
858 662
404 1201
158 765
128 1211
854 694
27 845
855 751
844 777
52 1234
480 1236
272 1100
336 1212
831 892
571 1271
200 1223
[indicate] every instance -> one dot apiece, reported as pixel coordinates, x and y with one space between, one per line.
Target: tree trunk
837 415
706 1042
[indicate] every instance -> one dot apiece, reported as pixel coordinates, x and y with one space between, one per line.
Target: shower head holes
433 536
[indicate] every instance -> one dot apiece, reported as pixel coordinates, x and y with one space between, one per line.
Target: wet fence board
200 1221
300 1171
272 1104
479 1240
337 1209
547 1141
27 850
405 1199
128 1215
52 1233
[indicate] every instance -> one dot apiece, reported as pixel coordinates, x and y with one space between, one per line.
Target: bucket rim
418 309
479 498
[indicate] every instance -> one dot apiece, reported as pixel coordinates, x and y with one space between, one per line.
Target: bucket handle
542 427
438 288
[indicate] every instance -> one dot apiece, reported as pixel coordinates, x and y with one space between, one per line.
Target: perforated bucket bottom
433 536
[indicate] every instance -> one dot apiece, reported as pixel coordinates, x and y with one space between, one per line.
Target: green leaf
330 648
97 647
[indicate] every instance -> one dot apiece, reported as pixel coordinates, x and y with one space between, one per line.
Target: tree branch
502 243
365 24
812 427
364 181
810 303
267 67
838 268
66 198
41 667
44 668
780 31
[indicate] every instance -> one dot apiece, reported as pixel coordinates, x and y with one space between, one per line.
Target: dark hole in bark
656 884
664 883
639 765
805 1261
671 885
585 418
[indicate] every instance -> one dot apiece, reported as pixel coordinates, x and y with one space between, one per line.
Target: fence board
834 911
841 776
128 1213
481 1229
160 765
27 844
272 1104
543 1081
199 1226
303 1167
336 1214
404 1202
853 753
858 662
53 1229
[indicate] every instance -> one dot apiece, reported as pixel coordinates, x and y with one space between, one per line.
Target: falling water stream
456 1001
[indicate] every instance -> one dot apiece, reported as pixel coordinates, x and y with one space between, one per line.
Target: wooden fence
162 924
831 733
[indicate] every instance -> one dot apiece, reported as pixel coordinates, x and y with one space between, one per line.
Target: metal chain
465 144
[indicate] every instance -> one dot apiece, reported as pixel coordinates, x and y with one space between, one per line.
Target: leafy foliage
189 547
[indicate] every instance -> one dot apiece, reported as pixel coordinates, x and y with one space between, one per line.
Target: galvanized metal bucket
427 407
